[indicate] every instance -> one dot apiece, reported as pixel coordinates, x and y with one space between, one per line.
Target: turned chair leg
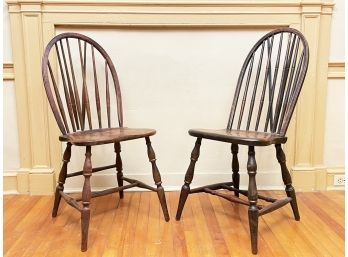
119 168
235 168
86 198
253 211
157 178
185 190
62 178
289 189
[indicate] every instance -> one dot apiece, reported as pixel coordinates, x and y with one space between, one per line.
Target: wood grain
210 226
105 136
239 136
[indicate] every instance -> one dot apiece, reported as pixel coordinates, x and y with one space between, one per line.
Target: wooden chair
270 80
86 72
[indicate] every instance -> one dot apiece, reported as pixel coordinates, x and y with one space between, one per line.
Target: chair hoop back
69 87
272 84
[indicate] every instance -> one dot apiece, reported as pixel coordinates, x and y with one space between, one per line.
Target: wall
334 125
10 144
170 75
182 63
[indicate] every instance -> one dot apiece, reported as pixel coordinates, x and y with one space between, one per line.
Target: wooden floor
210 226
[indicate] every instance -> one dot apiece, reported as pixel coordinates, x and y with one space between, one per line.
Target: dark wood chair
269 83
85 72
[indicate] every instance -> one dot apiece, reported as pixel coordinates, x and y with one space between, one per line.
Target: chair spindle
71 92
97 97
66 91
77 98
285 78
255 86
107 93
59 100
245 91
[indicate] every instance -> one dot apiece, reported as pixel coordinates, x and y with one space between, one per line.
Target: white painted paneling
334 137
334 132
337 32
7 53
10 147
10 137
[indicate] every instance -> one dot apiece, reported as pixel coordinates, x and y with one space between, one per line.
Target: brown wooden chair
270 80
85 71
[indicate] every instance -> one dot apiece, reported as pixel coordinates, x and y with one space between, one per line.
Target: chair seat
242 137
105 136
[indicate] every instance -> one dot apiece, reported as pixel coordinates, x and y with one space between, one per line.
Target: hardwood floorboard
203 233
210 226
28 227
230 233
141 225
114 242
330 201
191 231
53 229
319 229
9 198
178 236
327 212
12 216
129 240
218 240
168 249
234 225
153 247
99 226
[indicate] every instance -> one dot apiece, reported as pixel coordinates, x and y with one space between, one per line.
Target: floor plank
210 226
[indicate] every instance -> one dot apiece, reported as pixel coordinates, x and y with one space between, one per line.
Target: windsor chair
84 69
284 51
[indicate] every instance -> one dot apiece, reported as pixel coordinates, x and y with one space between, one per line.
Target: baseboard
10 185
315 178
309 178
25 181
330 178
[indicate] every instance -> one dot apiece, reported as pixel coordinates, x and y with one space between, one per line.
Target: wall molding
10 181
336 70
22 181
174 3
330 178
309 178
33 24
8 71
